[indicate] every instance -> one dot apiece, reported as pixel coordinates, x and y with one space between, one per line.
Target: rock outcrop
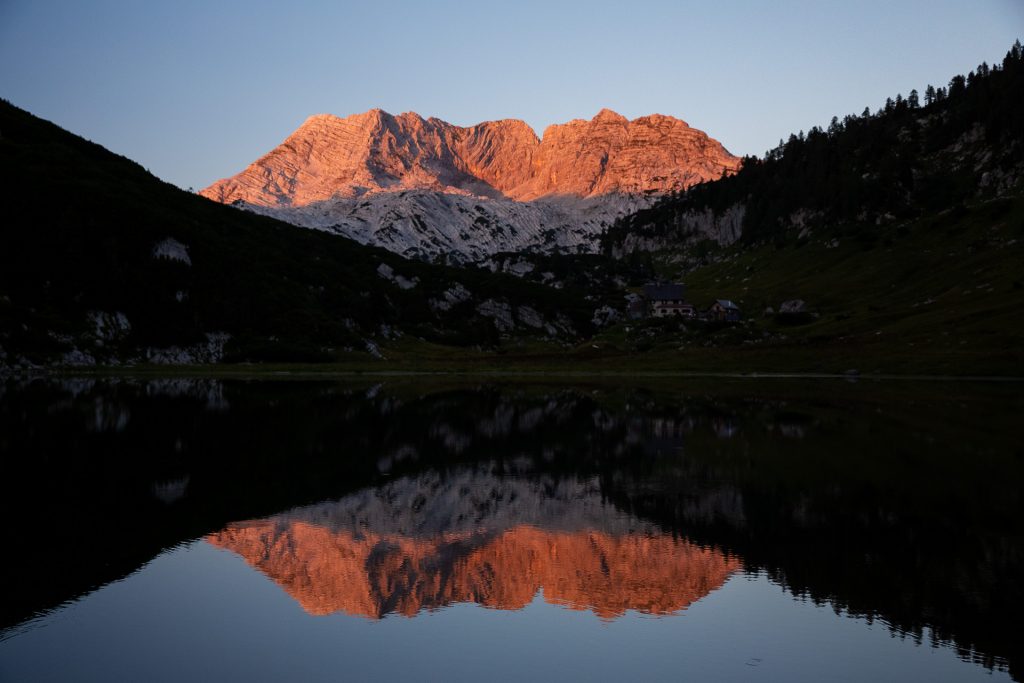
377 178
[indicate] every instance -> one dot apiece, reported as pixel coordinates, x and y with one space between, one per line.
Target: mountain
374 152
102 262
426 188
423 542
889 242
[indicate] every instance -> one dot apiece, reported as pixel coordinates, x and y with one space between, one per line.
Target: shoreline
319 372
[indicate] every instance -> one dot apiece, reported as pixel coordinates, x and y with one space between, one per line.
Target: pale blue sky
195 90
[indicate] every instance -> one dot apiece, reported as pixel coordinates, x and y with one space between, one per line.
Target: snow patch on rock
172 250
462 228
565 325
109 326
530 317
389 274
77 358
499 313
451 297
520 267
374 350
604 316
212 351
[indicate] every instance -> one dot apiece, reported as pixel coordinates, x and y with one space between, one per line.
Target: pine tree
912 100
1013 55
929 94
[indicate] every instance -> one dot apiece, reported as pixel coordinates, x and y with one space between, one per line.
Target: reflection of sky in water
198 613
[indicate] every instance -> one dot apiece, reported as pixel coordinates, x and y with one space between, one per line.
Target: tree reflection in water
899 502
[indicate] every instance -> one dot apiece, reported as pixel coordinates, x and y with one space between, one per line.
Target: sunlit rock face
375 177
432 541
612 155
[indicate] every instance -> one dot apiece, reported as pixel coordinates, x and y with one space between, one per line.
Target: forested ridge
914 155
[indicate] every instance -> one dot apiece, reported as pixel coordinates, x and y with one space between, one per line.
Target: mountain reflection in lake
473 536
674 520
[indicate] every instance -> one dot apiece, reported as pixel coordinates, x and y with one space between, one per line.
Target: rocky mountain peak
608 116
330 157
352 175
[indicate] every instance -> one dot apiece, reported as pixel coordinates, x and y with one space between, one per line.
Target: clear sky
195 90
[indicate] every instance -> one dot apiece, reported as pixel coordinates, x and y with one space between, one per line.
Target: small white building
668 299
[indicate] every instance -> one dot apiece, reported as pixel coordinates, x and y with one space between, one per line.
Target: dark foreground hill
102 262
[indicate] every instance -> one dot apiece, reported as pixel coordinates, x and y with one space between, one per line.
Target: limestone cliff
501 187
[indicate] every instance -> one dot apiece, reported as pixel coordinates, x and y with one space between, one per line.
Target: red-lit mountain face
424 187
430 541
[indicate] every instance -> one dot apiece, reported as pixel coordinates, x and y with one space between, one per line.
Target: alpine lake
499 528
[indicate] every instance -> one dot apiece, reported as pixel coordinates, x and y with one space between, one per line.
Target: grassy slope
945 294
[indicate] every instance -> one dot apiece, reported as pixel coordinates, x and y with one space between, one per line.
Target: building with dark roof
724 309
668 299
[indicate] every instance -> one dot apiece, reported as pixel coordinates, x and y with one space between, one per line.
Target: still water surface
770 531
